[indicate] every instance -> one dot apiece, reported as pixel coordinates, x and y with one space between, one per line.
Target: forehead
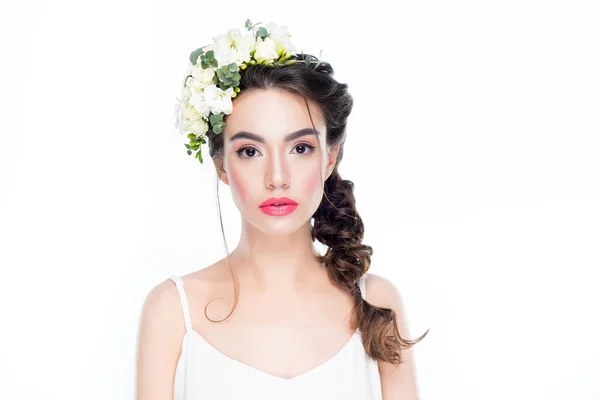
272 113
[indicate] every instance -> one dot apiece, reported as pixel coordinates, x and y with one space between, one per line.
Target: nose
277 173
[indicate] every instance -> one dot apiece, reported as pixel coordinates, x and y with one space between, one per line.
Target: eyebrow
287 138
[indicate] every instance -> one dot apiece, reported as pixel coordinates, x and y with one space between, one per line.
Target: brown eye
246 152
304 147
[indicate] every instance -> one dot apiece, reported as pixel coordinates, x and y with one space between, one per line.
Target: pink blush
312 184
236 183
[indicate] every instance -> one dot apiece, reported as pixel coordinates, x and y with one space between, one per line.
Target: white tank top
204 373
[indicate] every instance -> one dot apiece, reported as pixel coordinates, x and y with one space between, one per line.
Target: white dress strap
184 303
362 284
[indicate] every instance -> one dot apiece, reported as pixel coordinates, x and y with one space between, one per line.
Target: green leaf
216 119
199 156
307 62
262 32
189 152
187 145
195 54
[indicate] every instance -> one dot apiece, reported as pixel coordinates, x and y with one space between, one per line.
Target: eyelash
242 149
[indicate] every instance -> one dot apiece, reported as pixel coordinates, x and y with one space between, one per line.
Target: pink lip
288 206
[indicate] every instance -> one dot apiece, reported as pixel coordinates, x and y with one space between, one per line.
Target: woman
298 324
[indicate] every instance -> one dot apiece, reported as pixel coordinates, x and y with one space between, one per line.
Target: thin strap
362 284
184 303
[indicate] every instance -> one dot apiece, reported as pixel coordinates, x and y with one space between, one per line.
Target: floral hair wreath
212 77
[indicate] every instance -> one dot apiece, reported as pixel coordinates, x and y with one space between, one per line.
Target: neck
276 264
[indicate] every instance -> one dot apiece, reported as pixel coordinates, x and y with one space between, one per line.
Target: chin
279 226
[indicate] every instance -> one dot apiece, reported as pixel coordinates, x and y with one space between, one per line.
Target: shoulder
159 310
162 305
163 302
396 381
382 292
160 331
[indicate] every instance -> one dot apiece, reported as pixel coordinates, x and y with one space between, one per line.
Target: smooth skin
285 294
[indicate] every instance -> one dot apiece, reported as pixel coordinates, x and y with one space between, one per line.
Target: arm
160 333
397 382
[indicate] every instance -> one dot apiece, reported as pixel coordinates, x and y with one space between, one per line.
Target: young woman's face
270 151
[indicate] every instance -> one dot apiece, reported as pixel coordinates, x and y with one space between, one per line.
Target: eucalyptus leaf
216 118
218 128
262 32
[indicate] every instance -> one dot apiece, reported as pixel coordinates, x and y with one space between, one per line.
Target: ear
220 171
331 160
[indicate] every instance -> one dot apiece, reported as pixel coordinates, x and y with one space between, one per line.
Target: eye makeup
242 151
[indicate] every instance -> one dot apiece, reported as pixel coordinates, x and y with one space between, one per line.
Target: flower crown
212 77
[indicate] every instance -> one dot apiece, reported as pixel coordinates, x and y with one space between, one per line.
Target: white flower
218 100
266 50
199 127
244 48
202 77
234 35
224 53
179 115
226 47
280 36
230 39
198 102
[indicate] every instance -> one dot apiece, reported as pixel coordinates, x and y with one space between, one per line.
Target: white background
473 146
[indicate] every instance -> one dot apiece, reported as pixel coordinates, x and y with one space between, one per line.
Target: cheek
312 184
238 184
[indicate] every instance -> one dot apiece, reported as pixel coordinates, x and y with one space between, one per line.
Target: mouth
278 202
278 207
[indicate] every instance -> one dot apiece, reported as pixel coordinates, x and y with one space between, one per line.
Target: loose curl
337 223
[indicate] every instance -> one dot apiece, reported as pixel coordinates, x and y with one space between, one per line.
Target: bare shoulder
160 332
382 292
162 312
396 381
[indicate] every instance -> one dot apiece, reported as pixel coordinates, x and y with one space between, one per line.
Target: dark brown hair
337 223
